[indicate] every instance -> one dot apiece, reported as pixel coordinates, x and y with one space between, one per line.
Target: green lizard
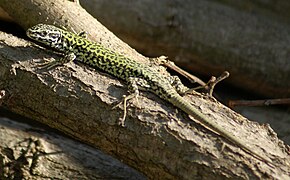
137 75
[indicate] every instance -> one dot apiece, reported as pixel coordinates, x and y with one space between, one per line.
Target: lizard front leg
134 84
53 63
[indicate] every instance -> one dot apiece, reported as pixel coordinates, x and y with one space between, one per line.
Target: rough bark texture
38 153
250 39
157 140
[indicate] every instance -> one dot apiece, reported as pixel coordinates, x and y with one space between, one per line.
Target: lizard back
99 57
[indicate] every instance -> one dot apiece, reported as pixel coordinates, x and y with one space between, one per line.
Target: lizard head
45 34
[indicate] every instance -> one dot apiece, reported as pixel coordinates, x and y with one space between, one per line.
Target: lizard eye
43 33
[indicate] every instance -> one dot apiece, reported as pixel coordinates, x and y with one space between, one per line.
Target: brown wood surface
30 151
158 140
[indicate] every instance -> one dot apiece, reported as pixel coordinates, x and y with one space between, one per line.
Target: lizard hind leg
133 84
178 85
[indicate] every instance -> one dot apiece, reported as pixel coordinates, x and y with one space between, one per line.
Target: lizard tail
185 106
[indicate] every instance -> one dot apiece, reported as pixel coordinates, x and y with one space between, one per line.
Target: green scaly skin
134 73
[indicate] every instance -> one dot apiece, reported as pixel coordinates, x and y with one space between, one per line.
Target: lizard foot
124 102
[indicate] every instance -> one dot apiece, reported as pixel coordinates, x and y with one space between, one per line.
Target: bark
247 38
157 140
37 152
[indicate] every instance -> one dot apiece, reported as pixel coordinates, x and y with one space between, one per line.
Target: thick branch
42 154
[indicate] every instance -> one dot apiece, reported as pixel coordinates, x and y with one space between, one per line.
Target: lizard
137 75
